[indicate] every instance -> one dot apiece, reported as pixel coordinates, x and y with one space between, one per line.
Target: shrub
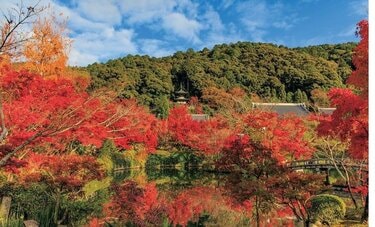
327 208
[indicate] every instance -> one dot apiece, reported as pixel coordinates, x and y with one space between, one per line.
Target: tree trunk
57 206
365 211
257 211
327 182
349 186
5 207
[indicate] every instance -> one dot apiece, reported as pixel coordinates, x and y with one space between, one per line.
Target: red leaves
191 203
63 172
359 76
282 136
205 136
133 203
349 121
50 113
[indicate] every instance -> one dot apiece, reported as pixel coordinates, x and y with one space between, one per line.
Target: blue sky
105 29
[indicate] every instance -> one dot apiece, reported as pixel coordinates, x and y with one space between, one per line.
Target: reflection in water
169 197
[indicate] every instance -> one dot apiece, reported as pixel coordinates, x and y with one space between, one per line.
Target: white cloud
107 44
96 39
187 7
77 58
183 27
11 7
76 22
216 31
258 16
212 20
226 4
105 11
155 47
145 11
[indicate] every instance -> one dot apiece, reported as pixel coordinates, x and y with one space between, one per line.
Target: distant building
200 117
298 109
326 111
181 96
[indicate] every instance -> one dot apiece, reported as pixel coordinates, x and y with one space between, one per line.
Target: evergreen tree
298 96
161 108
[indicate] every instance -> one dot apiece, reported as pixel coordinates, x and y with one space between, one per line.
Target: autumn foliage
132 203
359 77
283 136
46 52
68 173
45 108
207 137
350 120
49 113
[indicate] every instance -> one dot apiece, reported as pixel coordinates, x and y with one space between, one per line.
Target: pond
165 197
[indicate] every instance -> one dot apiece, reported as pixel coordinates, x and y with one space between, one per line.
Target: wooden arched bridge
325 163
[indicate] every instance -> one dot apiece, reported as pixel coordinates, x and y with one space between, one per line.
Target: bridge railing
323 162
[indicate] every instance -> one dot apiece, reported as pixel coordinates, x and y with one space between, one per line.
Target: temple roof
199 117
181 92
325 110
298 109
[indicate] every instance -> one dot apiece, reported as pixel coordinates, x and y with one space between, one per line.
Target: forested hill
274 73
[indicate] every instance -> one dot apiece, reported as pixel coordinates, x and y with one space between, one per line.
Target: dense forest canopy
274 73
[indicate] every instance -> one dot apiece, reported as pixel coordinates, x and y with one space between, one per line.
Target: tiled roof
327 111
298 109
199 117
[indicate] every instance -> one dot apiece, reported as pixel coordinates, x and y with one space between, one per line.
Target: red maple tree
49 113
207 137
349 121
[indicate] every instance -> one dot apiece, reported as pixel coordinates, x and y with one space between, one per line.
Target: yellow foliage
93 186
46 52
137 156
163 153
106 161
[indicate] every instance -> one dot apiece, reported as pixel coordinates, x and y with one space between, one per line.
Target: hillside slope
274 73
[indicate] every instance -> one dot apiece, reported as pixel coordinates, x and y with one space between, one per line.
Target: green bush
327 208
79 210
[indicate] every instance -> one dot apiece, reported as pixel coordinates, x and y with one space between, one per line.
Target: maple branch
4 130
14 20
4 159
116 116
300 208
290 204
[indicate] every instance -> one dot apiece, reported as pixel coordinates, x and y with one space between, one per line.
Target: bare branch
15 18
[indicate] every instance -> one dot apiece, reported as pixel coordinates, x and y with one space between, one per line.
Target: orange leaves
233 100
46 51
